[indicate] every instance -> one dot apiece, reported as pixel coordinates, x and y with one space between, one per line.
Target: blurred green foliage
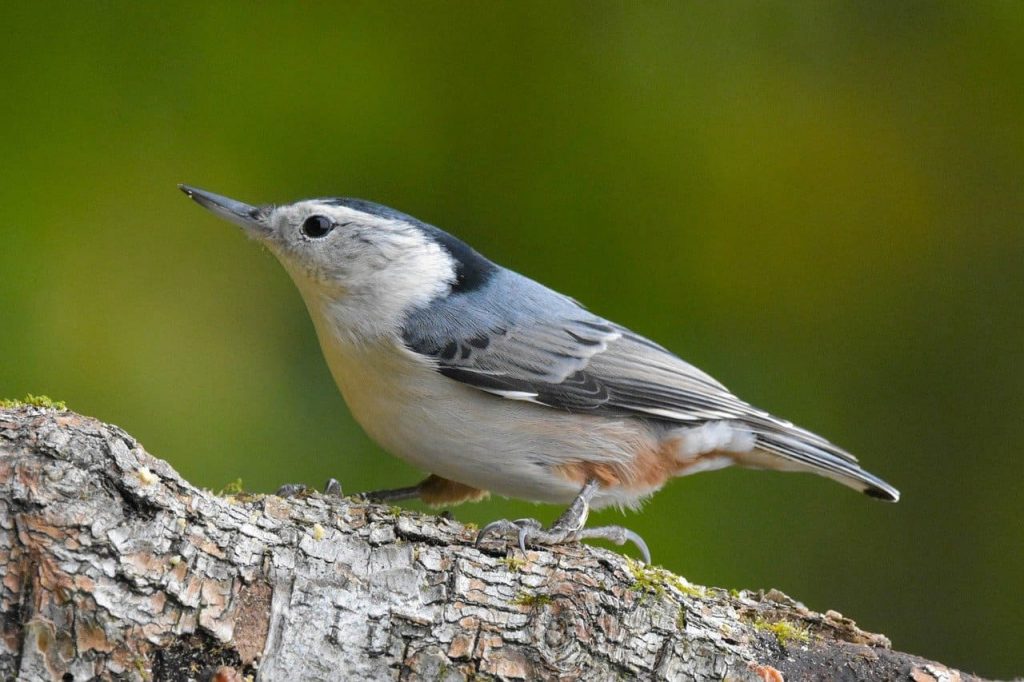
820 203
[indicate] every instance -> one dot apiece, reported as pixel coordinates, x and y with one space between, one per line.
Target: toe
494 527
523 532
640 544
619 536
291 490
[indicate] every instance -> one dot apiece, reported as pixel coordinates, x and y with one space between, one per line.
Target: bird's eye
317 226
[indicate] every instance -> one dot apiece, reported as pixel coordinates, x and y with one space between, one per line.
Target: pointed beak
249 218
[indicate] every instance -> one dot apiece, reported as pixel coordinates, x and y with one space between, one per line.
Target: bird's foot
619 536
531 531
331 489
291 490
569 527
524 529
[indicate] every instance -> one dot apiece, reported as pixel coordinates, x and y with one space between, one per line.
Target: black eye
317 226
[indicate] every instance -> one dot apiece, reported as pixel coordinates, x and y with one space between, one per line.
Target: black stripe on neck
472 270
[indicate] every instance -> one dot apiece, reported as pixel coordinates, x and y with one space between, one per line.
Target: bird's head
361 266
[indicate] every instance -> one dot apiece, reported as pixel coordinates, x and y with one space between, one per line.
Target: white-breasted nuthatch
490 381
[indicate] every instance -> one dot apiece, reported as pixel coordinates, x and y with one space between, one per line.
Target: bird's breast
510 447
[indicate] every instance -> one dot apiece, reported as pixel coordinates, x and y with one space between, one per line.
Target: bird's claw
532 531
619 536
291 490
525 530
331 489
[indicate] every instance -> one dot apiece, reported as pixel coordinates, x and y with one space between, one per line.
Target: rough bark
113 567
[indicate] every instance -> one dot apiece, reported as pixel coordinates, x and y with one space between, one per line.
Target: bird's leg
333 489
433 490
411 492
569 527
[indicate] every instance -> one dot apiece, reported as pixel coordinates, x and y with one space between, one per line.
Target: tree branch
112 566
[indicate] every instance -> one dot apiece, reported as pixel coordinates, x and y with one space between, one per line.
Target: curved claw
521 527
619 536
500 525
639 543
523 530
333 488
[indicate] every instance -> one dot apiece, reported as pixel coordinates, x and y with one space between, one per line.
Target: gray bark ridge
113 567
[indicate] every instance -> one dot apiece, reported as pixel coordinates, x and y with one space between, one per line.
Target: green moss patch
784 631
531 599
656 580
30 400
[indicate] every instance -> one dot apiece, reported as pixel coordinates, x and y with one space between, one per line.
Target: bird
489 381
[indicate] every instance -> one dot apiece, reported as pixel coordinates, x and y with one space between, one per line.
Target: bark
113 567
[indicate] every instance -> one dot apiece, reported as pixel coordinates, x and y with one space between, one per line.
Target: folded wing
536 345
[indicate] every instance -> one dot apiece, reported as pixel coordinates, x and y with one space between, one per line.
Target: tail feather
818 455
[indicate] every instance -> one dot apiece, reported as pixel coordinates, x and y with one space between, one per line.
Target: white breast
458 432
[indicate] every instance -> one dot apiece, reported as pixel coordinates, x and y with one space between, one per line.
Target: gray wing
517 339
525 342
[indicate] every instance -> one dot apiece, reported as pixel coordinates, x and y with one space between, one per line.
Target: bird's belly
510 447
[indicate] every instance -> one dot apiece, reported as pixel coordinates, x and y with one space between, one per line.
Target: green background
819 203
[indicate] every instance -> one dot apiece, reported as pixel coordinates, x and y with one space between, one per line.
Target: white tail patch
713 437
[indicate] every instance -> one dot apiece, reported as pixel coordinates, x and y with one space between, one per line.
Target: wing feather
531 343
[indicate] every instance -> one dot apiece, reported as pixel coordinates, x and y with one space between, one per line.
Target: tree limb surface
113 567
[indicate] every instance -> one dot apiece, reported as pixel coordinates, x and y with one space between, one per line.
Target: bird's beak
249 218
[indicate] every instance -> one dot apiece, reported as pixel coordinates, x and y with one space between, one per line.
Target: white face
358 271
359 268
